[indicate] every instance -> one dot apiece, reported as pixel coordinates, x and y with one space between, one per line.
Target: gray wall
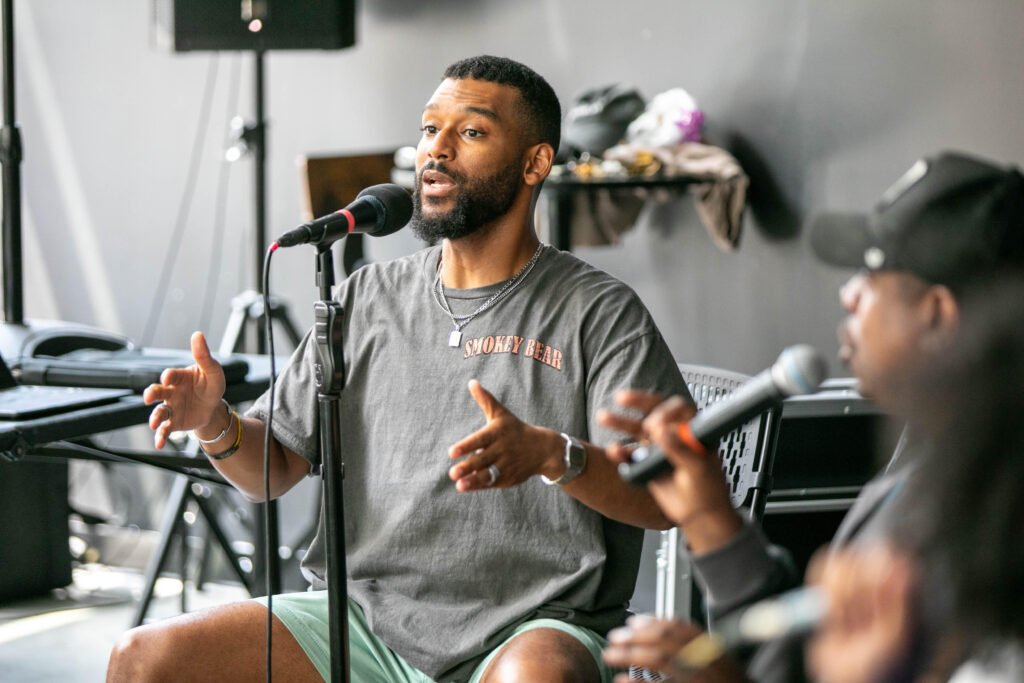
823 103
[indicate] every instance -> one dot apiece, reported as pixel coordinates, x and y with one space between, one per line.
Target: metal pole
264 533
260 143
330 374
10 156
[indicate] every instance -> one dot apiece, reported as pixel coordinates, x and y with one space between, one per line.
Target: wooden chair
332 182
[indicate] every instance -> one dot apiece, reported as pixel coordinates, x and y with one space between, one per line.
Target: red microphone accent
685 435
349 217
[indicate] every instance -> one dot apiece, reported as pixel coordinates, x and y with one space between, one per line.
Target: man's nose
440 146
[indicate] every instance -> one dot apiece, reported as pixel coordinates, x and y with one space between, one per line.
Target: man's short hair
543 113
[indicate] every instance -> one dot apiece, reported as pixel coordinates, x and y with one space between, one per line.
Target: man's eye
472 133
429 130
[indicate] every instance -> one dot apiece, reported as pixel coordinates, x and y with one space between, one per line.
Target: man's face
469 159
885 331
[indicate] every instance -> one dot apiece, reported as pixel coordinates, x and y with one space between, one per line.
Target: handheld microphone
793 613
798 370
377 211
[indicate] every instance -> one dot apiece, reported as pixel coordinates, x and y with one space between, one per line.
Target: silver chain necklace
460 321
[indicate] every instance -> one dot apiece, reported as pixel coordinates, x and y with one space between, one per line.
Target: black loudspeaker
34 553
185 25
829 445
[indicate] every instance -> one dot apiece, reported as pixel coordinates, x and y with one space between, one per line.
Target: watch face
575 456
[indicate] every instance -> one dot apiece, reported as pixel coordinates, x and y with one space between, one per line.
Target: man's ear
943 313
537 163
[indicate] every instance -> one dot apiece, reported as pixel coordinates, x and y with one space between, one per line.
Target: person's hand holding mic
694 494
189 398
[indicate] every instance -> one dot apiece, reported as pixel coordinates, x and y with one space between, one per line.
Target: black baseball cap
950 219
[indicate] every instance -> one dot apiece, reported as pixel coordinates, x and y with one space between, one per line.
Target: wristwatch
575 461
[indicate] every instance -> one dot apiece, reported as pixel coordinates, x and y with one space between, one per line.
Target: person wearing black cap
950 222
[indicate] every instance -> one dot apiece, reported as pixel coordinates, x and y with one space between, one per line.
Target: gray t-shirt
444 576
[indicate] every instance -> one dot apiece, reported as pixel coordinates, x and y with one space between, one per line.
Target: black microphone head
799 370
394 208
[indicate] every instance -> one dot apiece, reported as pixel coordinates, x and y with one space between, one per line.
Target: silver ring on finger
170 413
494 472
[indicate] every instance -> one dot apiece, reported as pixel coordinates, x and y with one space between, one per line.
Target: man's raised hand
506 451
186 398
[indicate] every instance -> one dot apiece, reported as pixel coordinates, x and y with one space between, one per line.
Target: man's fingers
479 439
638 654
620 423
673 409
201 352
648 642
155 393
659 413
474 481
155 418
474 462
162 432
644 628
644 401
161 414
620 452
152 393
663 422
473 472
485 399
175 376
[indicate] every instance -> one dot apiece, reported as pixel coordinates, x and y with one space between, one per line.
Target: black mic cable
267 435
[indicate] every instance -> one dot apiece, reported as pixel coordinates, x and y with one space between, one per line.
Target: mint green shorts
371 661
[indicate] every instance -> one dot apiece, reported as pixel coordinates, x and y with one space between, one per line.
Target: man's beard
478 203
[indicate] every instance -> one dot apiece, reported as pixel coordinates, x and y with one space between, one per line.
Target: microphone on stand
377 211
798 370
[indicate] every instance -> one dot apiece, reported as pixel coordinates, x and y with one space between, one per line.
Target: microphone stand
330 378
10 156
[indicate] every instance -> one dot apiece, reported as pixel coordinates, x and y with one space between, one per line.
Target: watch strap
575 461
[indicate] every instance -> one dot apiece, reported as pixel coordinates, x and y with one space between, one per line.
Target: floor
67 636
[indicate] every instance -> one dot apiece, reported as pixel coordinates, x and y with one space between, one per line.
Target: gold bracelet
234 446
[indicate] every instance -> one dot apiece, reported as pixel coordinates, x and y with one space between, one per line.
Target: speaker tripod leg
209 509
247 308
177 501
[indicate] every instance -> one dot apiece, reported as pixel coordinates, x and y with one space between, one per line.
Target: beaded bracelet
234 446
222 434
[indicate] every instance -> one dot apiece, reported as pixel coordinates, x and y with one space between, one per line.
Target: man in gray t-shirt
487 538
